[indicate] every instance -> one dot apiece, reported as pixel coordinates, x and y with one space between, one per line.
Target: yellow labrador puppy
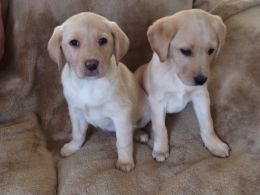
184 46
98 88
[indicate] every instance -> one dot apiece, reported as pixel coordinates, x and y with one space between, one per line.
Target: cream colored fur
108 97
184 46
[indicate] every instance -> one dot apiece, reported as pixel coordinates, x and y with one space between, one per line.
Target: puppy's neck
113 68
167 66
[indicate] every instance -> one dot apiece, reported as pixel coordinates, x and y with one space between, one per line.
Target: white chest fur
88 97
166 87
176 101
176 95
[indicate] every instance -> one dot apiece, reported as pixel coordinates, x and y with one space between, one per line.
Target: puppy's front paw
219 149
125 166
160 156
69 149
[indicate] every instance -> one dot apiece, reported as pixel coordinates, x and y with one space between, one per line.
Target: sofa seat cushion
26 166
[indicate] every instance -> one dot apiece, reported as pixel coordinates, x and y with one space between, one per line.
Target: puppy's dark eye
102 41
74 43
186 52
210 51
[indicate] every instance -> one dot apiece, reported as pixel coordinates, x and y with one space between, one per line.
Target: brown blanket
33 113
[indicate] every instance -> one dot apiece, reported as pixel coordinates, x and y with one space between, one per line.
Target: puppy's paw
141 137
219 149
125 166
69 149
161 155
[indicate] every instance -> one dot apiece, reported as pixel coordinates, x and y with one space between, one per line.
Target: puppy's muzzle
200 80
92 67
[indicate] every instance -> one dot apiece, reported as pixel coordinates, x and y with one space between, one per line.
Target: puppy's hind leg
79 129
141 136
140 133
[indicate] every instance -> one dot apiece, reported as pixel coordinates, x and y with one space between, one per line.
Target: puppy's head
87 41
191 39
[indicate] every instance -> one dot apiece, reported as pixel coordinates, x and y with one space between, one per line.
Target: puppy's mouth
199 80
85 73
92 67
187 83
92 73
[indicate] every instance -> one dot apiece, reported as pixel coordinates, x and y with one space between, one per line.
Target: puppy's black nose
91 64
200 80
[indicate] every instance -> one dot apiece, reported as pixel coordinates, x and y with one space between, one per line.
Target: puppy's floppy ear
160 34
54 46
221 31
121 41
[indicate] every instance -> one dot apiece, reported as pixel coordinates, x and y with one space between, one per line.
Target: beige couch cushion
26 167
30 83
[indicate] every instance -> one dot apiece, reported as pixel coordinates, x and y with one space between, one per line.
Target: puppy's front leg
79 129
201 104
161 146
124 143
